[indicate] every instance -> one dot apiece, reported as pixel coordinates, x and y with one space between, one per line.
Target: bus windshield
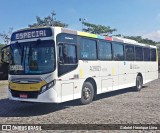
36 57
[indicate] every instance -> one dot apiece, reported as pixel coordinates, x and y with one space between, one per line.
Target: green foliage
141 40
48 21
98 29
1 46
118 35
6 35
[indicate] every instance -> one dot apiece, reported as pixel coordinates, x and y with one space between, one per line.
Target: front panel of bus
32 66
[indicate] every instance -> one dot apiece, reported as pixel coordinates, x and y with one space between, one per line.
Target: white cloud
155 35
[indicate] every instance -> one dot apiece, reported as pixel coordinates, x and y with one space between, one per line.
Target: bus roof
113 38
86 34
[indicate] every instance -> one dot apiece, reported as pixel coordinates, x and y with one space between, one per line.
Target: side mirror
60 58
64 50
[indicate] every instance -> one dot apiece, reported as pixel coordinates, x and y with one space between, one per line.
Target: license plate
23 96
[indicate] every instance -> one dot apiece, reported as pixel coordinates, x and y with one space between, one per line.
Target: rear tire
139 83
87 94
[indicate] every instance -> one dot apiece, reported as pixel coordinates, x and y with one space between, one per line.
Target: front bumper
49 96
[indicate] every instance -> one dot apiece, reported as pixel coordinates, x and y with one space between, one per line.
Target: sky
129 17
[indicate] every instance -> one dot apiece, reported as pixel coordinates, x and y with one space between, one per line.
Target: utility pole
53 14
82 20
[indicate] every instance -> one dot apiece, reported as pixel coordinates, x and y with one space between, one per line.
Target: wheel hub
86 93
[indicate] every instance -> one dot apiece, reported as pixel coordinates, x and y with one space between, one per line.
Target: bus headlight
47 86
44 88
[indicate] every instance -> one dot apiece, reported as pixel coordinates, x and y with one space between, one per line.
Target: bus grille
30 94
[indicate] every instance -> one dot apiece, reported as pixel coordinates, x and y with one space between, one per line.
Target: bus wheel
139 83
87 93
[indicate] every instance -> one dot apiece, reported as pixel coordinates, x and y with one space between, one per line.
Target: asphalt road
119 107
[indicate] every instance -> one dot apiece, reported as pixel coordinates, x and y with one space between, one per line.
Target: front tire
87 94
139 83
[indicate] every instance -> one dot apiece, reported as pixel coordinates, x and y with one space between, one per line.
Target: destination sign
32 33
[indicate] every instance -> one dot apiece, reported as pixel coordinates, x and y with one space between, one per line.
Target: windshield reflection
32 57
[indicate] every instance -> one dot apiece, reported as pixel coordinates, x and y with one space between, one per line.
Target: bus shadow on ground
9 108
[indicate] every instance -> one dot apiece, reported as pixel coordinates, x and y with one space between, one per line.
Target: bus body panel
89 70
106 76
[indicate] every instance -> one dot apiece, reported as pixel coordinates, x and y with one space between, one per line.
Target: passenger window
153 54
139 53
146 53
67 54
118 51
129 53
88 50
104 52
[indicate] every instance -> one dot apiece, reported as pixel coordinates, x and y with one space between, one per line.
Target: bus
54 65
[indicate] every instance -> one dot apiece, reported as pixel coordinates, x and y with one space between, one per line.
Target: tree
6 36
118 35
98 29
1 46
48 21
141 40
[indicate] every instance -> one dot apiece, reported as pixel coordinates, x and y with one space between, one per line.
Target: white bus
53 64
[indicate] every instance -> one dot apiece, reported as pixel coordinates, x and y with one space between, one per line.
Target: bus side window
88 50
129 50
153 54
139 53
118 51
104 50
146 54
67 54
